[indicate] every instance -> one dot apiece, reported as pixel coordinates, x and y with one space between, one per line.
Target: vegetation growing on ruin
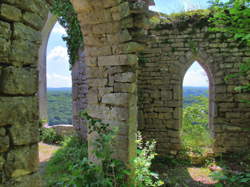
67 17
233 19
70 165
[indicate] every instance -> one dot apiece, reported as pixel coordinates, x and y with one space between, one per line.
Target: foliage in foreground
235 170
49 136
195 134
70 165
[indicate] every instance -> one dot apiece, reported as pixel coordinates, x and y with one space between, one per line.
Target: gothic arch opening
78 79
42 64
196 128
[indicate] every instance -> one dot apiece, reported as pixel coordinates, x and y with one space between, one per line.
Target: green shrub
49 135
142 164
70 165
195 133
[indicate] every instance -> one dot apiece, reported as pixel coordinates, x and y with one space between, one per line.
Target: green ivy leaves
67 17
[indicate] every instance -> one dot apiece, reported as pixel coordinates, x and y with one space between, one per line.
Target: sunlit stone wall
172 48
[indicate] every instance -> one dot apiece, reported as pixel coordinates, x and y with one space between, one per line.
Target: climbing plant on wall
67 17
233 19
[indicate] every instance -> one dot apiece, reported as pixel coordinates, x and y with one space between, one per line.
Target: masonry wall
79 95
20 38
172 48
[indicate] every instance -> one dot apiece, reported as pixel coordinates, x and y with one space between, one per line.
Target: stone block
2 161
19 51
14 110
120 37
4 50
97 82
121 11
125 77
16 81
33 180
33 19
117 99
4 143
22 161
10 13
23 32
125 87
108 113
25 133
96 72
91 61
130 47
5 31
117 60
2 132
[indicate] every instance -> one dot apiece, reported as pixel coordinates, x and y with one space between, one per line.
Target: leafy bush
195 133
142 164
49 135
70 165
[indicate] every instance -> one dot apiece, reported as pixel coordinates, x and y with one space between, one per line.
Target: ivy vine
67 17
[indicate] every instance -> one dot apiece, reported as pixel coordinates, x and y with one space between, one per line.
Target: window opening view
195 132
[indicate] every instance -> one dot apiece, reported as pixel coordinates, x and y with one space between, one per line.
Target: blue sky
58 74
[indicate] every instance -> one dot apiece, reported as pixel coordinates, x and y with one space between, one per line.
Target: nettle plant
112 172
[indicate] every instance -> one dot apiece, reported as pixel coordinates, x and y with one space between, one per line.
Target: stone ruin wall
112 31
20 39
171 50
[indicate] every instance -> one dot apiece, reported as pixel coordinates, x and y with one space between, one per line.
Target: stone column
79 95
111 47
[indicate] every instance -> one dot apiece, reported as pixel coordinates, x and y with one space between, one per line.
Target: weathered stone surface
2 132
5 31
19 50
125 77
15 81
4 143
117 60
118 99
22 161
4 50
25 133
33 19
33 180
17 110
164 63
10 12
23 32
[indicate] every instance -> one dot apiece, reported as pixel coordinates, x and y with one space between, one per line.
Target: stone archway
112 42
211 85
42 66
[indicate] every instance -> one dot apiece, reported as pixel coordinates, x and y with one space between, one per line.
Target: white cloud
58 29
58 52
56 81
196 78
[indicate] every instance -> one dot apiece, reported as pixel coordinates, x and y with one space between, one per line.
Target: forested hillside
60 103
59 106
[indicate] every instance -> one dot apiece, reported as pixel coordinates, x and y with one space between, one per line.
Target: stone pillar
79 95
111 47
20 39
